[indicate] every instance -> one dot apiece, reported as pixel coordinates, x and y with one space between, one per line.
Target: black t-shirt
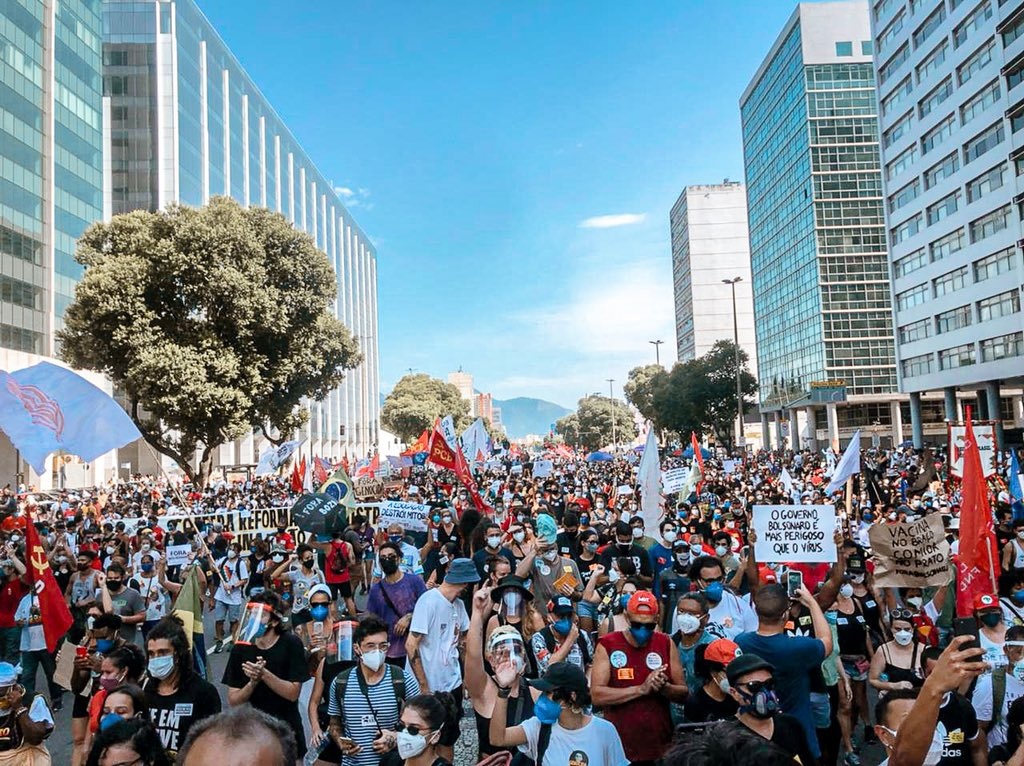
701 707
788 735
481 556
174 714
638 554
568 544
958 726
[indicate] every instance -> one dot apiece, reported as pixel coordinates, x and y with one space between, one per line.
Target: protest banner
674 479
369 489
910 555
177 555
729 466
412 516
794 533
984 433
542 468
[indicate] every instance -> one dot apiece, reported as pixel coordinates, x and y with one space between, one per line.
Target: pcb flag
45 408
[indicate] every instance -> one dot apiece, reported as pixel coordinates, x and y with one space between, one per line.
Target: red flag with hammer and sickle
54 612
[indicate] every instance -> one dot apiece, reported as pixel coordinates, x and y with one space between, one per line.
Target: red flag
443 454
422 444
699 457
54 611
978 560
298 474
320 472
375 465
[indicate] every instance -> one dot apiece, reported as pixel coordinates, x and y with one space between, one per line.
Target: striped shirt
360 724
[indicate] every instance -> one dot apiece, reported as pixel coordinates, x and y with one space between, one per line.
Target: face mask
846 590
613 575
762 704
584 520
446 519
513 600
638 532
550 555
669 536
373 660
436 519
319 612
307 563
723 684
624 600
409 746
683 559
389 566
110 548
721 550
696 549
395 538
1020 535
277 558
232 553
914 602
110 683
689 623
624 546
113 585
714 592
642 634
1017 597
83 566
1018 670
563 626
519 536
147 567
857 578
546 709
493 541
991 619
161 667
903 637
104 645
109 720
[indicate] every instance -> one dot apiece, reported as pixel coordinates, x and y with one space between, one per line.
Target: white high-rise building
951 113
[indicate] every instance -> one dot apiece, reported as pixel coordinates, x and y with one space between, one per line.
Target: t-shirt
481 556
688 656
32 637
302 580
661 559
403 594
364 715
172 715
441 623
231 572
982 702
595 744
641 558
545 574
539 647
701 707
956 729
732 615
154 595
794 659
787 734
127 603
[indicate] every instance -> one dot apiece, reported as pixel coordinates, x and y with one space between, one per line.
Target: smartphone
794 582
967 626
318 628
81 651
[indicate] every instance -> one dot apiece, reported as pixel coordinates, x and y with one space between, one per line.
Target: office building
951 112
186 122
709 245
818 256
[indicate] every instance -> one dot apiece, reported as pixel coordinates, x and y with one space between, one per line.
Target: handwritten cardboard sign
910 555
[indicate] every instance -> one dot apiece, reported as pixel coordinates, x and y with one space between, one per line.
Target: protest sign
674 479
624 489
177 555
542 468
910 555
412 516
795 533
984 433
729 466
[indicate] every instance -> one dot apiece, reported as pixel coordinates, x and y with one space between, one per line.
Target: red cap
722 650
643 602
985 601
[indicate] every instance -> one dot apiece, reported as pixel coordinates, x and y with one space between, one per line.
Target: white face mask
373 660
689 623
519 536
613 575
493 541
670 536
846 590
903 637
696 549
232 553
914 602
277 558
638 532
410 746
721 550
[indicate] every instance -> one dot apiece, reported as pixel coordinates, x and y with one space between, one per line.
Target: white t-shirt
410 563
982 702
32 637
154 595
596 744
137 559
733 615
231 571
441 623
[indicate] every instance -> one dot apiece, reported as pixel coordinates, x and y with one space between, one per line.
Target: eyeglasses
412 728
383 646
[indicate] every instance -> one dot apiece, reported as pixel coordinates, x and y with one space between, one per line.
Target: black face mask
114 585
624 546
307 563
389 566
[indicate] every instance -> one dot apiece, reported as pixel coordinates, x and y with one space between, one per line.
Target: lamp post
611 401
736 343
657 350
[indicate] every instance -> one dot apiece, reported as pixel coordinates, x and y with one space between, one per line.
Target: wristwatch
504 692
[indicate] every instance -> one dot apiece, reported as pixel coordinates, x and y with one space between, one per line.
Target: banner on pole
412 516
985 435
910 555
795 533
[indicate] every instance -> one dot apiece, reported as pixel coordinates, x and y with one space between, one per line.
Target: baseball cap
744 664
722 650
985 601
643 602
561 675
562 605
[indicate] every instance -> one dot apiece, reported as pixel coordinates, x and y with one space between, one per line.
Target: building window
1001 305
930 24
1016 115
1014 74
897 95
932 61
991 137
882 7
950 281
993 265
915 296
897 130
943 208
890 33
904 196
986 182
1012 32
981 101
890 67
945 246
937 135
906 230
1003 347
917 365
958 356
915 331
937 95
953 319
971 22
943 169
990 224
908 264
867 48
844 49
901 162
975 62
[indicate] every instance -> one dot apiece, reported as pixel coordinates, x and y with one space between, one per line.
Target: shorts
341 589
821 710
301 617
586 609
80 707
226 612
451 735
856 666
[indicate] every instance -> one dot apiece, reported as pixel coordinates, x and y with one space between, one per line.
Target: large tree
211 321
417 400
598 422
640 389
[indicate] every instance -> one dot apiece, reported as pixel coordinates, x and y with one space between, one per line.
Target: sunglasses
389 558
753 687
640 625
412 728
900 614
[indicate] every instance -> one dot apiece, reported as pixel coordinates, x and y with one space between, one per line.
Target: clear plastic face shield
512 606
506 647
255 622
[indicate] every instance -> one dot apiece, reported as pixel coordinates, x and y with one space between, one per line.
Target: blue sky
488 148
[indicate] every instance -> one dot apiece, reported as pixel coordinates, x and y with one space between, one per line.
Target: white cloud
612 221
344 192
357 197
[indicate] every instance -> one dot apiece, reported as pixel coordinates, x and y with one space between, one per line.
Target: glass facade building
187 123
51 166
818 253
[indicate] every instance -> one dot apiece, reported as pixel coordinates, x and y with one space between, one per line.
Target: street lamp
657 350
736 343
611 398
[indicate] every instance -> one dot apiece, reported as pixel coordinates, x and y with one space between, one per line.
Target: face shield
512 606
506 646
343 641
254 623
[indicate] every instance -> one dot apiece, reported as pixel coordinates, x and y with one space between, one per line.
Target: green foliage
640 387
417 401
211 320
593 426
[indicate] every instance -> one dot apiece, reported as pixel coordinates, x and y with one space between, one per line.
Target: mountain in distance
524 415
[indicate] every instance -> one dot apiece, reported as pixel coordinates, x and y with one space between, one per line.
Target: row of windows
992 349
1001 262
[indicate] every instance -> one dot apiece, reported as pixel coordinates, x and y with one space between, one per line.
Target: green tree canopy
640 387
417 400
211 320
593 426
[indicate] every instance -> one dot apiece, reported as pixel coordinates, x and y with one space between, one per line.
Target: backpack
342 679
339 559
549 641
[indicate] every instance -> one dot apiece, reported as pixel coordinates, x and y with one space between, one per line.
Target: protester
239 737
117 598
12 593
709 698
232 575
393 598
561 639
128 742
427 721
898 664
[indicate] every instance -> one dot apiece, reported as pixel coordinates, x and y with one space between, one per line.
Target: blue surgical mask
714 592
104 645
546 709
395 538
160 667
319 612
563 626
624 600
1017 597
109 720
642 635
147 567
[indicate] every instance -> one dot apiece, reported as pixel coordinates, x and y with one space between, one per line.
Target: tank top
644 724
895 674
852 632
1018 559
517 710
